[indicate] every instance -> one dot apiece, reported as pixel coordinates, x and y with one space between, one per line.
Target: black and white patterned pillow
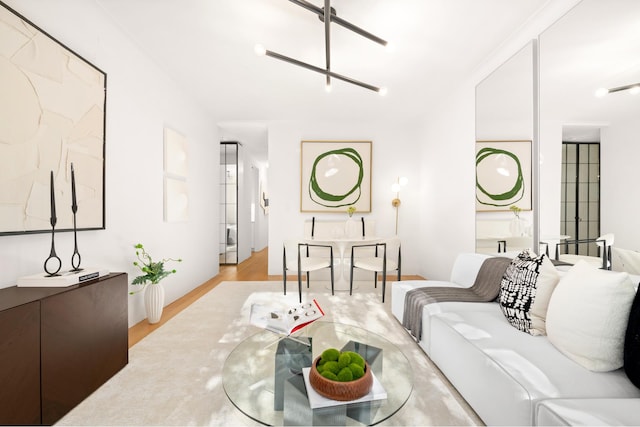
525 292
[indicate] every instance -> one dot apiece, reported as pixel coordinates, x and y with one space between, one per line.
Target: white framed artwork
176 200
175 153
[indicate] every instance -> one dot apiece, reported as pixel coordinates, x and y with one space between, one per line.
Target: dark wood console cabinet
58 345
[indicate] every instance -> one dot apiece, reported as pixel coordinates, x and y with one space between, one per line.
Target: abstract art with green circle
335 175
503 175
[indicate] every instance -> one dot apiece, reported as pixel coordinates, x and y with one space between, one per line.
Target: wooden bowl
338 390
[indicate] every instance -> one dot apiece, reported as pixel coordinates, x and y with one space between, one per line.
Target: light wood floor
252 269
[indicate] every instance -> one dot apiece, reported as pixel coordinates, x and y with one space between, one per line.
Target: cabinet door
20 365
84 343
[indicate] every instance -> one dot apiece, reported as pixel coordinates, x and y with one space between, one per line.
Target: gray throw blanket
485 288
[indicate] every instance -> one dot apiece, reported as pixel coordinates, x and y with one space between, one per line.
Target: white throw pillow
548 278
588 314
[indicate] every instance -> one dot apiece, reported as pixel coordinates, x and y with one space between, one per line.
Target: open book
285 320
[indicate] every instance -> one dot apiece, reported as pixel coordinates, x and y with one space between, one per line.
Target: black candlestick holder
75 258
53 260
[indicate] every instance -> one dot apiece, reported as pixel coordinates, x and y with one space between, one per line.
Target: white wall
619 156
141 101
550 176
395 148
447 178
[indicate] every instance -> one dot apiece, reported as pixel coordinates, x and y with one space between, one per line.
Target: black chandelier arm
625 87
334 18
320 70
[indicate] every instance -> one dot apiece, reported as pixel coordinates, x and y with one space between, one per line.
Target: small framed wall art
176 191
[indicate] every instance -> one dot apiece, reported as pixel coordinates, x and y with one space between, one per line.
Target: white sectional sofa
510 377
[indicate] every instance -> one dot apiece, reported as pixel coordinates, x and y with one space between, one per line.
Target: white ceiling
207 46
595 45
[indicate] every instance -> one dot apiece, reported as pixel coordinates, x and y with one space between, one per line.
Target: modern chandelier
327 14
633 89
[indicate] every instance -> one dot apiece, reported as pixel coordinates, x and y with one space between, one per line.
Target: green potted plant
154 272
340 375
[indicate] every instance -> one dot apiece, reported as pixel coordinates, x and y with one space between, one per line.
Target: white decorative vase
517 227
154 302
350 228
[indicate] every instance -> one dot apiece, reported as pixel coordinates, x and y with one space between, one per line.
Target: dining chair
379 257
296 257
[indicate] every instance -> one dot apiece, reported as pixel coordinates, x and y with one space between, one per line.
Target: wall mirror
594 46
504 156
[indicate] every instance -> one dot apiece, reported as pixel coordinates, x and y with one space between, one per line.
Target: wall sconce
401 181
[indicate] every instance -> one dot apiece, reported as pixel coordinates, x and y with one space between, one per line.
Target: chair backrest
290 254
323 229
605 240
603 244
312 257
289 257
517 244
336 228
368 227
393 248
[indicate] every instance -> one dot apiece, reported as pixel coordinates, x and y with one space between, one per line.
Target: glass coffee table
263 376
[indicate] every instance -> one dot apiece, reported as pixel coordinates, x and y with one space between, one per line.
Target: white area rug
174 374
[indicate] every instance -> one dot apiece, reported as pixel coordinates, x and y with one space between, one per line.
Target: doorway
228 233
580 195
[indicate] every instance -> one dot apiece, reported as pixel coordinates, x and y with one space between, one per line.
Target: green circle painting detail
336 178
499 177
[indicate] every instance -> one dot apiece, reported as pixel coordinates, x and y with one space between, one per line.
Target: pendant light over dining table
328 15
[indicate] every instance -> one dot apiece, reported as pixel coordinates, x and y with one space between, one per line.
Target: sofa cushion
588 314
632 343
525 292
588 412
502 372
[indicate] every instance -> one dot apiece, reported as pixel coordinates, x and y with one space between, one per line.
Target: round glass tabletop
263 376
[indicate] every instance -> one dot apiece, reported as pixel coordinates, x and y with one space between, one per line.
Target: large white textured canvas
53 114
